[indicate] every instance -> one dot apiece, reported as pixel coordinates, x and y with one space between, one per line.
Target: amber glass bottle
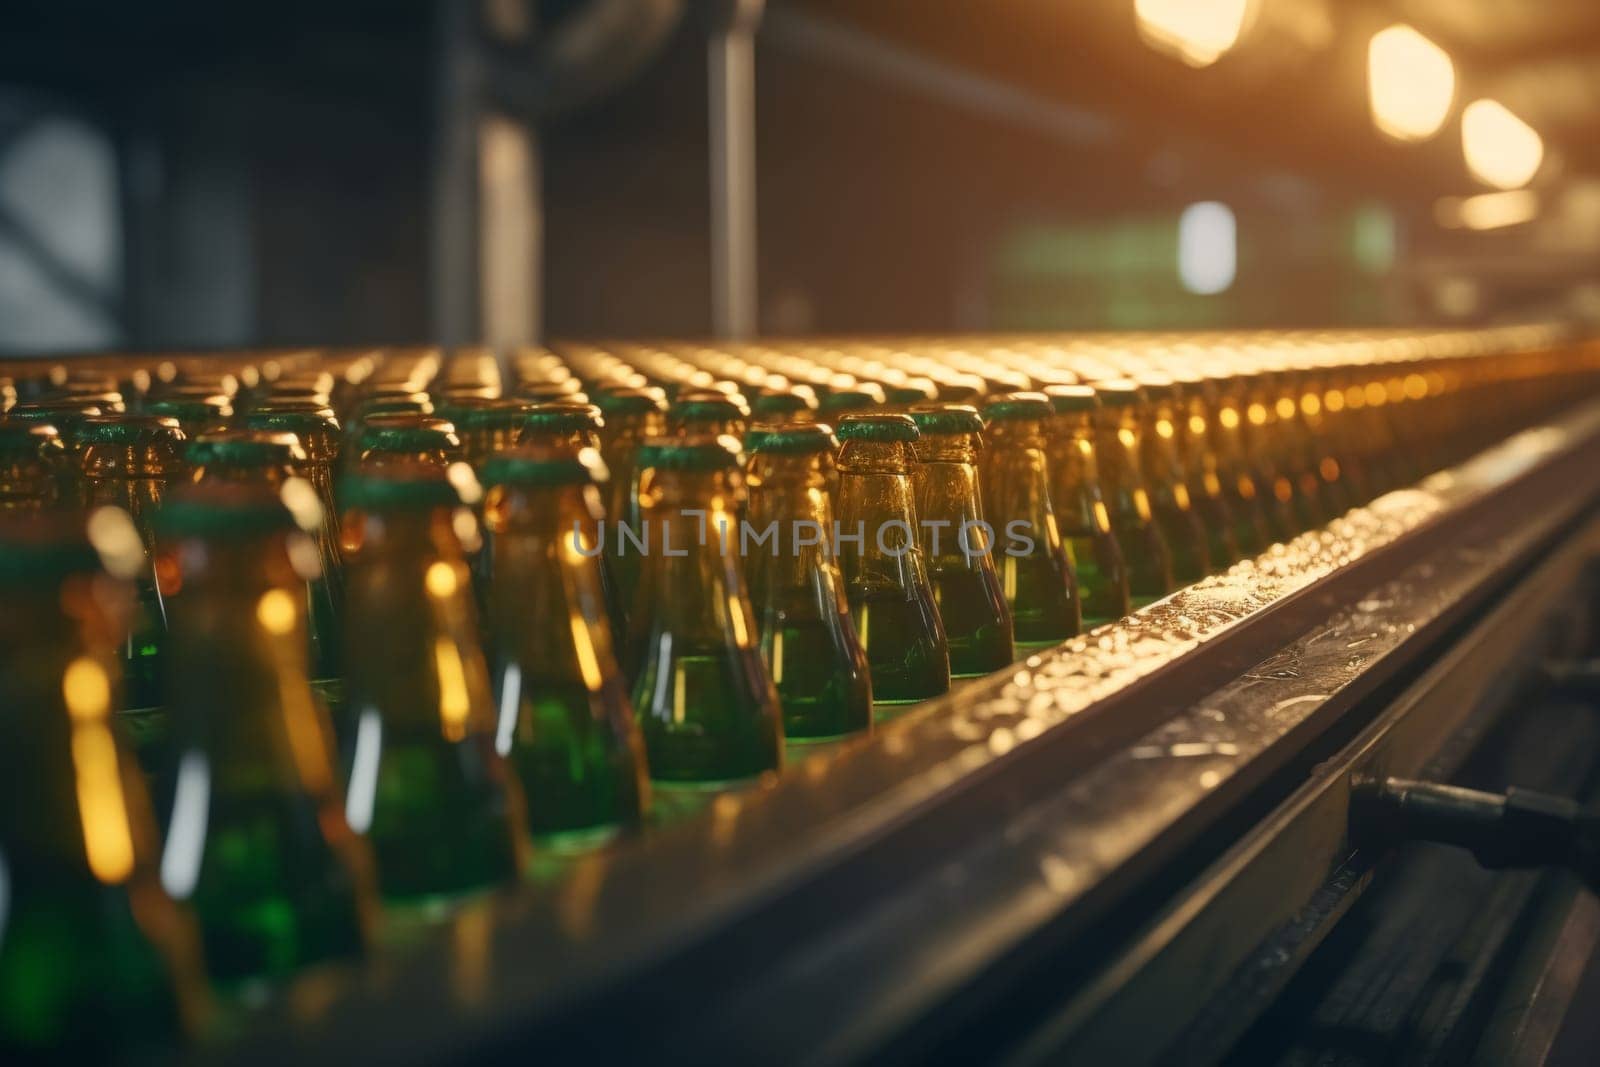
95 960
128 462
257 840
35 469
1036 564
957 545
444 812
566 723
1212 484
886 578
406 440
1175 513
1144 548
1080 505
1259 520
702 693
808 638
710 415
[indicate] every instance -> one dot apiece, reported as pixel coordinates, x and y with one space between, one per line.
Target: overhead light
1208 247
1197 31
1411 83
1501 149
1487 211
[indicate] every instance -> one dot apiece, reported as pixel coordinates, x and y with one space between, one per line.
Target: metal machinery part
1122 851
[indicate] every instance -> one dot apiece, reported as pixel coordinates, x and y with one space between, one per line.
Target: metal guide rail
1067 841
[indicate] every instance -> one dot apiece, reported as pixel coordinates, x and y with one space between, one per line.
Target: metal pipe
732 98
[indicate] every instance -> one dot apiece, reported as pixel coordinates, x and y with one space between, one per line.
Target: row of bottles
381 626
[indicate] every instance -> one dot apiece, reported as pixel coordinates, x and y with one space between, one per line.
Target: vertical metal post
453 226
733 171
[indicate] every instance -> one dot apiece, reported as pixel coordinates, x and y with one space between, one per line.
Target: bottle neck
691 585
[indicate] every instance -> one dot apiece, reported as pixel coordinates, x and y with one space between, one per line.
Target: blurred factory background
193 174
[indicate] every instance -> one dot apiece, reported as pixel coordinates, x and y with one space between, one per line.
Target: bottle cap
881 428
946 419
562 417
629 401
1017 406
245 448
708 409
783 402
1072 398
806 439
407 433
854 398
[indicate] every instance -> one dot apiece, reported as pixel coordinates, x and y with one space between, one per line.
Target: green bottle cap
415 404
491 415
185 408
629 401
806 439
40 550
223 510
562 417
782 403
946 419
856 398
1017 406
708 409
408 434
1072 398
133 431
295 422
545 467
691 454
28 438
914 391
879 428
245 448
398 489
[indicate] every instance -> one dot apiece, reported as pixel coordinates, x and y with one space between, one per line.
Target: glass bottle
1264 443
443 811
1035 563
95 959
703 696
487 427
861 397
128 463
957 545
317 431
709 414
566 724
1201 452
778 406
271 460
808 637
35 470
1257 517
886 578
257 840
1186 537
1080 506
1144 548
631 416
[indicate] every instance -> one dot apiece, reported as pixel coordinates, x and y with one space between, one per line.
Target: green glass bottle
957 544
773 406
443 811
271 460
128 463
808 637
1144 548
1080 506
95 960
316 428
257 840
631 416
197 413
886 578
565 722
1188 541
1035 562
702 693
487 426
